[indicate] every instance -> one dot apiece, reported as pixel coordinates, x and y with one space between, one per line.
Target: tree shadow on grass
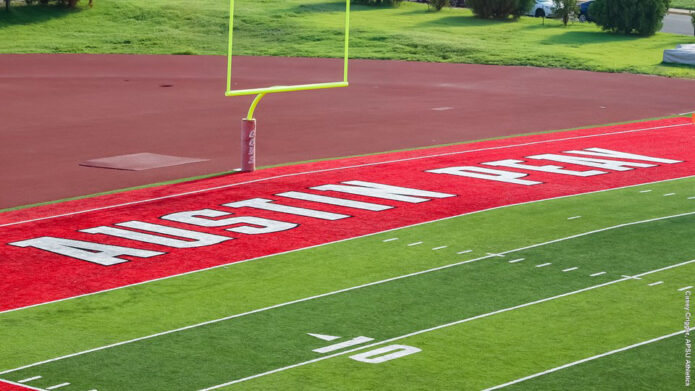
36 13
464 21
586 37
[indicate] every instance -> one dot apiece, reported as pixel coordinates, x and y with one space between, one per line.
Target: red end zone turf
80 247
12 387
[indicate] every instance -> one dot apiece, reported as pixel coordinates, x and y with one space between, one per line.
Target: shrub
394 3
692 19
564 9
500 9
437 5
641 17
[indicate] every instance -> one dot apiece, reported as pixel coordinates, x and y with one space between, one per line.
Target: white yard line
645 191
656 283
573 217
337 241
669 194
516 260
389 240
464 252
341 168
570 269
29 379
443 326
57 386
691 198
439 248
597 274
343 290
414 244
535 375
544 264
685 288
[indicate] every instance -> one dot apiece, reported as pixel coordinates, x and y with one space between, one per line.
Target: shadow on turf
21 14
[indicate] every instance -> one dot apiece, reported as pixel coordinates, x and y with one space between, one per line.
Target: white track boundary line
22 385
535 375
337 241
444 326
337 292
337 169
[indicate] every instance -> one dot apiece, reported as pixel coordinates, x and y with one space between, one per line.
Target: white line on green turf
57 386
464 252
439 248
414 244
226 265
516 260
340 168
669 194
570 269
444 326
691 198
685 288
573 217
597 274
347 290
656 283
29 379
585 360
645 191
544 264
390 240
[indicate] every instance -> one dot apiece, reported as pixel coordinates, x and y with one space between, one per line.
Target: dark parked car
584 12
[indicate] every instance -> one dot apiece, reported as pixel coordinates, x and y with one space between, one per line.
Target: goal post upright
248 124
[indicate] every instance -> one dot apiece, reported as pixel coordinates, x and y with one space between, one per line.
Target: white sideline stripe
596 274
225 265
21 385
29 379
464 252
689 112
439 248
669 194
685 288
586 360
544 264
57 386
415 244
570 269
343 168
516 260
645 191
390 240
341 291
656 283
443 326
573 217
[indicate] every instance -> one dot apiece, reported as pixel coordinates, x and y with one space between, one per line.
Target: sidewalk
679 11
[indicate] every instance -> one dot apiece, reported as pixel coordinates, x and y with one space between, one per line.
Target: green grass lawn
685 4
310 28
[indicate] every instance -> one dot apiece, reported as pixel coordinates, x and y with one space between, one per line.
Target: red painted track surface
59 110
31 275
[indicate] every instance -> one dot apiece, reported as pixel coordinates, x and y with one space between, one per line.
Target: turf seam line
340 291
340 241
22 385
336 169
586 360
444 326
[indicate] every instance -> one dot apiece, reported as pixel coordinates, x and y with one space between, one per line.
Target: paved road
59 110
677 24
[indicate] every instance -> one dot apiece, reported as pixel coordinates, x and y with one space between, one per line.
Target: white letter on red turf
198 239
267 225
377 190
101 254
511 163
486 173
262 203
622 155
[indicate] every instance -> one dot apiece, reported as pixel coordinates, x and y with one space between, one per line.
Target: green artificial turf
269 339
313 28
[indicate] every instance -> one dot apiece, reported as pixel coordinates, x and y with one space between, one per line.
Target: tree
641 17
437 5
500 9
565 9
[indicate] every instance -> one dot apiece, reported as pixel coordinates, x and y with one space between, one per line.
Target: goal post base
248 145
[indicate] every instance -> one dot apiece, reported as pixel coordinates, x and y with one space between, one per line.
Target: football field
558 261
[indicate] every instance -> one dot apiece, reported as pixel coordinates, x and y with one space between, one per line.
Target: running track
59 110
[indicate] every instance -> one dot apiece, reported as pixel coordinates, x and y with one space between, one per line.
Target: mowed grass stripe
511 345
268 340
79 324
661 363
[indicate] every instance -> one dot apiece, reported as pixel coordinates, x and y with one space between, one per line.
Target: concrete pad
139 161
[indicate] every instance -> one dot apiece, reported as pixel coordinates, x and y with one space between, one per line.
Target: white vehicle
542 8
